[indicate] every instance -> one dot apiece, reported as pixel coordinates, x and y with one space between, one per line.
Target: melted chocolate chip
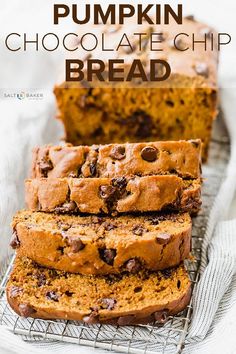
133 265
52 295
15 242
166 273
163 239
45 166
107 192
202 69
119 182
76 244
92 318
41 277
161 316
149 154
93 169
109 226
108 303
26 310
195 143
15 291
139 123
118 152
68 207
138 230
125 320
107 255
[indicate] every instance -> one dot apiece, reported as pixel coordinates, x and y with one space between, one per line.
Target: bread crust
108 196
182 158
169 300
79 244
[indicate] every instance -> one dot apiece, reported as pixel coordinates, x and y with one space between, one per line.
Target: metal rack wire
142 339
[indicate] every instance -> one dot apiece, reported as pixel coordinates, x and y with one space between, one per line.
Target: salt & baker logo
24 95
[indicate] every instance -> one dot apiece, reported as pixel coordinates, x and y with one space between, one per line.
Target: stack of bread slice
106 232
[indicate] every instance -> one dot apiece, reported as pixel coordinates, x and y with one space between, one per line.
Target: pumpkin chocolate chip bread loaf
113 195
102 245
34 291
184 107
182 158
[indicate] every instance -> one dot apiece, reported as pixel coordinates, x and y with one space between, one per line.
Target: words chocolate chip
149 154
118 152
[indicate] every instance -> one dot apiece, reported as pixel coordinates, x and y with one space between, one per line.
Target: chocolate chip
161 316
107 303
52 295
92 318
107 255
138 230
195 143
133 265
166 273
69 293
45 166
190 17
155 220
76 244
149 154
41 277
119 182
109 226
118 152
125 320
139 123
15 242
93 169
163 239
107 192
68 207
201 69
63 226
15 291
26 310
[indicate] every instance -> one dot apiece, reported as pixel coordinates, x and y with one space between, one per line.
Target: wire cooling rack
142 339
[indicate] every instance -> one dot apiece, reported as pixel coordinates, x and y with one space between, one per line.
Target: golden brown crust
37 292
106 195
103 245
182 158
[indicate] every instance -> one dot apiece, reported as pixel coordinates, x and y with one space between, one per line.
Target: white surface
43 69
